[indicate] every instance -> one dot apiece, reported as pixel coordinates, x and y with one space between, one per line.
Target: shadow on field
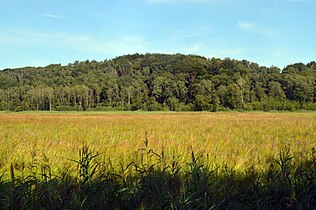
289 182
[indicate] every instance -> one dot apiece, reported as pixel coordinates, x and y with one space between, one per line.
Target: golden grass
239 139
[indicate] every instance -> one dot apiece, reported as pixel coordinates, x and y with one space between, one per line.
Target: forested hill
159 82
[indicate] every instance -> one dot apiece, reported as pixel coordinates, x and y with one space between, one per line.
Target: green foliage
157 82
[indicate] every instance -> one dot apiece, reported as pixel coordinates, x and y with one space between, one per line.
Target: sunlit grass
163 160
238 139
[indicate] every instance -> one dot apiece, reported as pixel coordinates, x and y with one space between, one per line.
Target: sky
268 32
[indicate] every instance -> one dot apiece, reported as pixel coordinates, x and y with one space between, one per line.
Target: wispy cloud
157 1
226 52
116 45
205 2
182 1
297 1
194 48
51 15
253 28
197 32
180 35
231 51
248 26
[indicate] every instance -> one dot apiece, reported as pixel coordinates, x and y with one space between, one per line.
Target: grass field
238 140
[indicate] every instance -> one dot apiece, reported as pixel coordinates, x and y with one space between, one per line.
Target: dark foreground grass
288 182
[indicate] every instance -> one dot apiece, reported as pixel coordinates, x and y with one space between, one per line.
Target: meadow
138 144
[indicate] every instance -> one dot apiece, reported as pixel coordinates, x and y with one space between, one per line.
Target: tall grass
239 139
289 182
159 160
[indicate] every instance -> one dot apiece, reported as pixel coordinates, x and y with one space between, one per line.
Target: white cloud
226 52
190 34
248 26
297 1
183 1
157 1
253 28
194 48
231 51
51 15
39 49
183 35
122 44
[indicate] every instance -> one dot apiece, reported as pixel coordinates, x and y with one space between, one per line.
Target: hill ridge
156 81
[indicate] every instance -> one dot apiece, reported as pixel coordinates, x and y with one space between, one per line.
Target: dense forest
159 82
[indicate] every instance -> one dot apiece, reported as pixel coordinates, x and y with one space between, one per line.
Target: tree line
156 82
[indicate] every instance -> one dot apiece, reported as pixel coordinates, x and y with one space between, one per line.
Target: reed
159 160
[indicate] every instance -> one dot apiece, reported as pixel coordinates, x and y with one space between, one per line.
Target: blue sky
269 32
